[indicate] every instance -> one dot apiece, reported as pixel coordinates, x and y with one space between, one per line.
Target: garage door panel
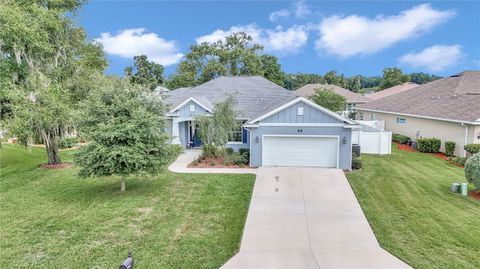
300 151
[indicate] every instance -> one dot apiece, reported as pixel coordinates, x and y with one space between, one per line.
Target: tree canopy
329 99
124 125
145 72
50 67
237 55
392 77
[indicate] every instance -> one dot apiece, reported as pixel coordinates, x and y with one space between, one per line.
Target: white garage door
300 151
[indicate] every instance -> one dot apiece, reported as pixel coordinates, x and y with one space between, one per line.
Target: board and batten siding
185 112
310 115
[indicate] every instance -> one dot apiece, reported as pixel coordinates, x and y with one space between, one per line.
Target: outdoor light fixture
257 139
344 140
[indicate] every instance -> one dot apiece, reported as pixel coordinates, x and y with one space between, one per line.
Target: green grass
407 200
52 219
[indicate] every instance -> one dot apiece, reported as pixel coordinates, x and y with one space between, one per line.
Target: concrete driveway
308 218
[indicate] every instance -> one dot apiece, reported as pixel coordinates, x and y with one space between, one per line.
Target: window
300 111
236 136
372 117
401 121
192 108
360 115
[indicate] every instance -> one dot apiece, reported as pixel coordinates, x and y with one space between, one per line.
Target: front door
194 137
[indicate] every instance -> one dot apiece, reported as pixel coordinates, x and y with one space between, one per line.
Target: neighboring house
279 128
448 109
352 99
392 90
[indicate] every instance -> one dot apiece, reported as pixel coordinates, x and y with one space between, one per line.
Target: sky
352 37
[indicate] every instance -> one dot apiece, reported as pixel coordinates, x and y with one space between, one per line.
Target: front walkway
308 218
185 158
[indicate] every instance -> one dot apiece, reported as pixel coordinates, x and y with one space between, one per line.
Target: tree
392 77
145 72
51 67
332 77
295 81
215 129
355 83
124 125
329 99
422 78
234 56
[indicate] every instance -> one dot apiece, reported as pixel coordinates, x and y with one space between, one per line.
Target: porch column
175 132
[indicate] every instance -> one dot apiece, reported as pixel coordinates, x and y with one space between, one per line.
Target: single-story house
448 109
278 127
352 99
392 90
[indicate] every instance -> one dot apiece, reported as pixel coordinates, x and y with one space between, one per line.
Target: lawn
407 200
52 219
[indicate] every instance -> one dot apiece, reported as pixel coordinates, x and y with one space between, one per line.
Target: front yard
52 219
407 201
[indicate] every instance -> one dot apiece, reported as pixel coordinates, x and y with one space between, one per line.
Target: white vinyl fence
372 140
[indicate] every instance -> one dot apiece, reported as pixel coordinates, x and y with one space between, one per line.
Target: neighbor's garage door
300 151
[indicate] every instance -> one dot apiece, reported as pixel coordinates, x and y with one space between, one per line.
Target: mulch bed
405 147
56 166
217 163
475 194
441 155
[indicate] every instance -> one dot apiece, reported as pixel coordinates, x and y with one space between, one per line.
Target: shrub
356 163
174 151
449 148
429 145
235 158
228 151
402 139
472 170
67 142
245 153
457 160
472 148
210 151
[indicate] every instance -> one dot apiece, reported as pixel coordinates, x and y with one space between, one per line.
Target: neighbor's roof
454 98
309 90
255 95
393 90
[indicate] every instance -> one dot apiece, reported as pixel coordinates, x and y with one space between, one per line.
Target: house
352 99
392 90
448 109
278 127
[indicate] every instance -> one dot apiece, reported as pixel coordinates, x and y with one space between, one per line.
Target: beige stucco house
448 109
352 99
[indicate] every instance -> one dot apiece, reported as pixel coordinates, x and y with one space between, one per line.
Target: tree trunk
122 188
52 148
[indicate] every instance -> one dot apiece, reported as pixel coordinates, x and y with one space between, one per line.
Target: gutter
419 116
466 139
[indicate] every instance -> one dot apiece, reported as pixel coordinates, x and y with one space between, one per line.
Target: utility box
455 187
356 149
464 189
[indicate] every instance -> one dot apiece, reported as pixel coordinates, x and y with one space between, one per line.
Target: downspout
466 139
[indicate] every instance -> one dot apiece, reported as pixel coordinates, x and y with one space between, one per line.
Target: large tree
124 125
332 77
51 67
422 78
237 55
328 99
392 77
145 72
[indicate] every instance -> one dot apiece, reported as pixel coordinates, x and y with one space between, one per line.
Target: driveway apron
308 218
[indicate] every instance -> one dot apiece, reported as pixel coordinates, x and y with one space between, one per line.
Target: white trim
418 116
186 102
308 102
234 143
250 147
294 124
329 136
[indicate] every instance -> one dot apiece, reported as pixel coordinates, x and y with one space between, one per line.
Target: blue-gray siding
184 111
310 115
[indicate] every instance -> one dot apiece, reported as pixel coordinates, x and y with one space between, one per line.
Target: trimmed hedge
457 160
472 170
449 148
402 139
357 163
429 145
472 148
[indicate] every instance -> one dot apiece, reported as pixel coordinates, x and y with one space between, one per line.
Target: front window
236 136
401 121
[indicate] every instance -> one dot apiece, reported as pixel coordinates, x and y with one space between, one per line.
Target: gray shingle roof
308 91
255 95
451 98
